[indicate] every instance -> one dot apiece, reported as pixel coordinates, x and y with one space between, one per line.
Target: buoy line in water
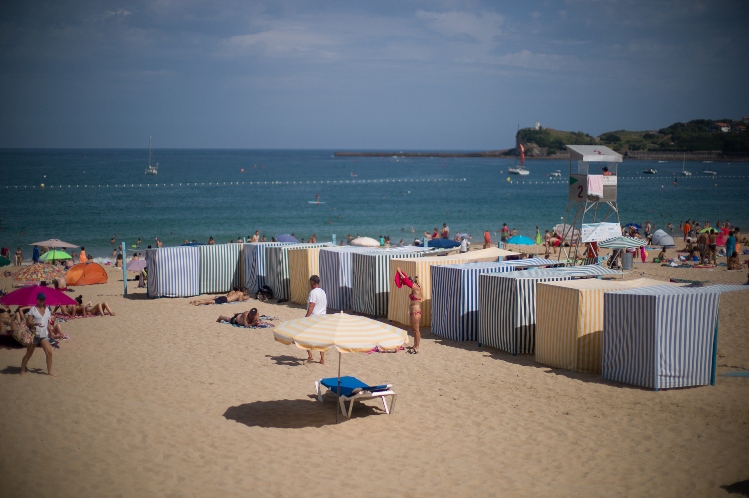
221 184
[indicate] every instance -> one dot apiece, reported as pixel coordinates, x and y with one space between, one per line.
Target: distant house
720 126
741 128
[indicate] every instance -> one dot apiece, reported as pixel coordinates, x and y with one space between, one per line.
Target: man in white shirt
317 304
37 319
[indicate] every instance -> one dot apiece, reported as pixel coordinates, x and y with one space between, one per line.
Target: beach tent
253 259
398 300
303 263
86 274
507 308
277 267
336 271
661 238
455 305
662 337
370 279
569 321
220 268
173 272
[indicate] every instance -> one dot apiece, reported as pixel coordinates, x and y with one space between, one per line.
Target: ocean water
90 196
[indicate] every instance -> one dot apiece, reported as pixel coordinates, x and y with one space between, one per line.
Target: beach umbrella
443 244
136 265
365 242
54 255
53 243
346 333
539 241
285 237
26 296
521 240
708 230
635 225
623 243
36 273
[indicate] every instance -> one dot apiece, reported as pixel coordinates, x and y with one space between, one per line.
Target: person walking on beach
487 239
37 319
414 304
317 304
19 257
713 246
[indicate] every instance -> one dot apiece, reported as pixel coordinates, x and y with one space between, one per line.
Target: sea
87 197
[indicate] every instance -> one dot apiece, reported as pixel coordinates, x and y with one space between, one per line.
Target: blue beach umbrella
637 226
285 237
521 240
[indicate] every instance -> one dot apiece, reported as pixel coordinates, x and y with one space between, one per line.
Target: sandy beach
161 400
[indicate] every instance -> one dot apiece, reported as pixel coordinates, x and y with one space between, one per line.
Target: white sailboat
151 169
683 171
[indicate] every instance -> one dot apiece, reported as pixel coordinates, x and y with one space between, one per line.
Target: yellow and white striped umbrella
347 333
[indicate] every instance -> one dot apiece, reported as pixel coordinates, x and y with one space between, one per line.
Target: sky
393 75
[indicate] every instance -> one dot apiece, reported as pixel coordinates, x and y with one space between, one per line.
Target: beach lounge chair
353 389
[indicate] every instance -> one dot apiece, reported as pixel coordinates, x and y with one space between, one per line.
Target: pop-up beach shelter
661 238
569 321
277 274
455 298
173 272
303 263
662 337
370 279
398 302
507 307
220 267
253 259
86 274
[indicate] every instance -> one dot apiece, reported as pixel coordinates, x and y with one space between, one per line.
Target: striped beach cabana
581 271
220 267
531 262
371 279
455 298
398 300
569 321
662 337
277 274
303 263
253 259
336 276
507 309
173 272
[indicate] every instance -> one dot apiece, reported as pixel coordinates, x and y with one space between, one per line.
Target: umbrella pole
338 408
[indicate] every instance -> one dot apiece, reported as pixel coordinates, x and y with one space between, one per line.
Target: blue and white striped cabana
455 298
277 275
662 337
253 258
507 308
336 276
581 271
220 267
531 262
370 288
173 272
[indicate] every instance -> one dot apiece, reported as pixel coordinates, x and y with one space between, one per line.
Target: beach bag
23 335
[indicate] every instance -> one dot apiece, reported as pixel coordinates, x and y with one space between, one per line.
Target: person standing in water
414 305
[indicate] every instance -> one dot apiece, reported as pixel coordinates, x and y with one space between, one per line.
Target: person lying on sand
244 319
234 295
71 309
98 309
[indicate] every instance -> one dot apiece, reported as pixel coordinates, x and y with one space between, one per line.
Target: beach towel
595 185
261 325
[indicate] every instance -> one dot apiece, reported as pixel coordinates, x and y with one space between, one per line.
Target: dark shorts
220 300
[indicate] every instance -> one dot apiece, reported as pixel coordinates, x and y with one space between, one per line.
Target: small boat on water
151 169
317 200
709 172
353 174
661 162
518 170
684 172
651 171
556 174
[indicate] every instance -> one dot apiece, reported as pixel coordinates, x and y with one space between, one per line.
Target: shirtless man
702 246
256 236
234 295
243 319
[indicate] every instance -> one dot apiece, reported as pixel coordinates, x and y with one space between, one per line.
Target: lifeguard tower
592 213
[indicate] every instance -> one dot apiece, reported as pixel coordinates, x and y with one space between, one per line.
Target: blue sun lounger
353 389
